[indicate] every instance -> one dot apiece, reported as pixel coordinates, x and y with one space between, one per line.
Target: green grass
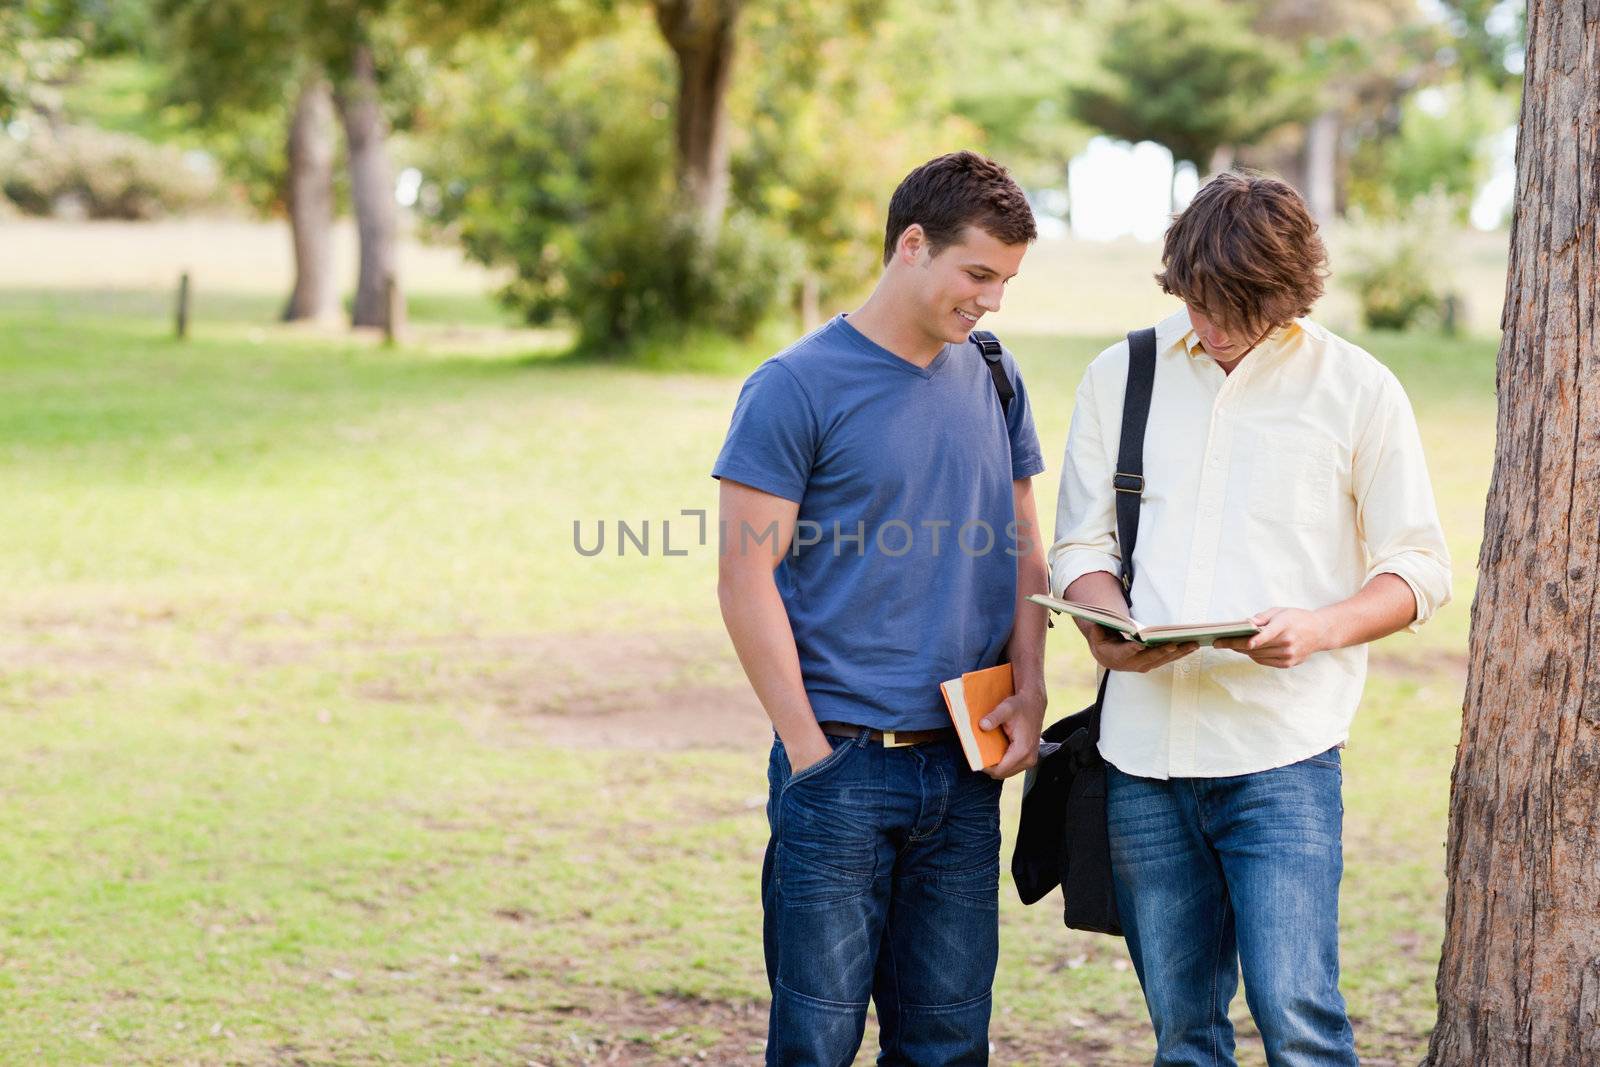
285 618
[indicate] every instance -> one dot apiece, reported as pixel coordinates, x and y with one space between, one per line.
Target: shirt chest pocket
1292 479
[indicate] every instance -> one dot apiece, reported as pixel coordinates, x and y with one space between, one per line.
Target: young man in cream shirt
1284 482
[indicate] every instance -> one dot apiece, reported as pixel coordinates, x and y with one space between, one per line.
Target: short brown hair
947 194
1246 253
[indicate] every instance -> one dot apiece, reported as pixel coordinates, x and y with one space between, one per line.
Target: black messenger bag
1062 838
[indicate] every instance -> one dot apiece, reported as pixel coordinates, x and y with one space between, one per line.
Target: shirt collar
1176 330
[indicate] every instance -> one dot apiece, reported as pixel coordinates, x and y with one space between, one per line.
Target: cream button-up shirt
1291 482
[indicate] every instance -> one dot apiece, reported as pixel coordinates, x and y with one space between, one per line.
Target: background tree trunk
309 198
371 189
701 34
1321 166
1519 980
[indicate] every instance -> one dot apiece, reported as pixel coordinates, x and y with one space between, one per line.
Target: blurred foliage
1192 76
103 175
1396 263
34 58
800 84
563 169
545 129
1016 88
1444 145
548 169
1489 39
235 67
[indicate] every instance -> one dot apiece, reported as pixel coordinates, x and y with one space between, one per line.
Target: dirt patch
653 691
618 1028
1421 666
608 1027
661 691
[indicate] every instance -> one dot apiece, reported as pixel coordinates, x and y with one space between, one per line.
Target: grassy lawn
321 744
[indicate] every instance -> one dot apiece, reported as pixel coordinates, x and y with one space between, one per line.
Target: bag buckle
1128 483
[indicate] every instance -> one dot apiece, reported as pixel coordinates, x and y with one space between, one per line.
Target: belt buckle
889 741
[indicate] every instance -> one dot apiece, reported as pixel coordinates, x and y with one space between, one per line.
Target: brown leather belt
890 738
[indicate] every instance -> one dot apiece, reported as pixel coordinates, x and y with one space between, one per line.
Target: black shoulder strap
989 345
1129 478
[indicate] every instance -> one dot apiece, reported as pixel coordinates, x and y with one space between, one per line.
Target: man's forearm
1025 650
1100 588
1384 606
759 626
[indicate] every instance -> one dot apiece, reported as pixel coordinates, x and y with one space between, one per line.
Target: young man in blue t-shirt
878 537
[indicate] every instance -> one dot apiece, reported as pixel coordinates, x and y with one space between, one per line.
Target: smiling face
954 288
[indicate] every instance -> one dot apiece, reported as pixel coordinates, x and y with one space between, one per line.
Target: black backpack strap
989 345
1129 478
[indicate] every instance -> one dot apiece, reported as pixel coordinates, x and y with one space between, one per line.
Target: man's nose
989 298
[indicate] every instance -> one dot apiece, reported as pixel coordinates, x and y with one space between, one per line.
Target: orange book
971 697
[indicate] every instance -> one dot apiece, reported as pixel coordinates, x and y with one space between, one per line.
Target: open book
1203 633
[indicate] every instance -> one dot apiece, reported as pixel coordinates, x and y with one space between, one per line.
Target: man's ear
913 242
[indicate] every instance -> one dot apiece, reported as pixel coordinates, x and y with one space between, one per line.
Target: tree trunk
808 300
1222 159
701 34
309 198
371 190
1066 196
1519 979
1321 162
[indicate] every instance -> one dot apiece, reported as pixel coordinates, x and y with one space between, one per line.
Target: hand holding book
1201 633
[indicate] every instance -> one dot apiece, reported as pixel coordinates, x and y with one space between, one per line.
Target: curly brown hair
951 192
1246 253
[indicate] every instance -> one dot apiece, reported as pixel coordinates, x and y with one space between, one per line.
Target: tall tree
371 191
231 59
1519 978
237 57
1192 76
309 200
703 37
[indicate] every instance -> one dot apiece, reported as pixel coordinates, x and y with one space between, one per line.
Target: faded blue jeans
1219 875
881 880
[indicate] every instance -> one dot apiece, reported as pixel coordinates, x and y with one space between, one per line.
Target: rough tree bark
1519 980
371 189
309 198
702 36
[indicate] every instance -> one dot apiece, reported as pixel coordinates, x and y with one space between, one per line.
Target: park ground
321 744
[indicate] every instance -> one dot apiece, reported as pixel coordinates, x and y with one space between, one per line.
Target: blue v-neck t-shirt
902 572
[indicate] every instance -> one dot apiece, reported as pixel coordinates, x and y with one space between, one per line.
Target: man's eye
975 277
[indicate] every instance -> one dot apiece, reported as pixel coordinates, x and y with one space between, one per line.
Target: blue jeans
1215 875
881 880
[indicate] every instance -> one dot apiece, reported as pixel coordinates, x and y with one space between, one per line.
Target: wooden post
393 312
183 306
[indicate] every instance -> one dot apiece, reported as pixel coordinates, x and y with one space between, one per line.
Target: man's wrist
1329 634
1034 691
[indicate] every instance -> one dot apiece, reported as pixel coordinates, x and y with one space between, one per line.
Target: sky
1120 190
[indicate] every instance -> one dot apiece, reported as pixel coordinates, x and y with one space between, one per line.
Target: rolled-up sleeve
1394 503
1086 514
